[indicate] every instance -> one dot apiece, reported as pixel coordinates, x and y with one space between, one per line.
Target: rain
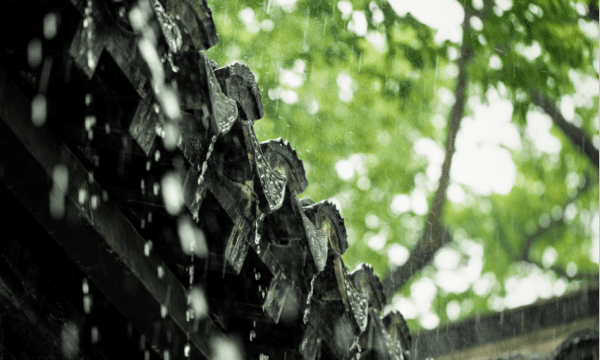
196 179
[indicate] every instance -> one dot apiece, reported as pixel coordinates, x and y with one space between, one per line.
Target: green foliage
393 99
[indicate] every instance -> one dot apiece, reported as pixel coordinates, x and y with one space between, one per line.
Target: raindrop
85 286
107 128
34 52
88 99
307 311
192 238
60 177
147 247
157 155
94 202
87 303
252 335
90 120
70 340
50 25
161 271
172 193
186 350
146 355
82 196
148 163
225 349
104 195
166 355
163 311
38 110
95 335
155 188
198 303
171 136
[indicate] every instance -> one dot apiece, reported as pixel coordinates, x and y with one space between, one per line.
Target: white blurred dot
397 254
313 107
484 284
38 110
453 310
34 52
451 281
70 340
345 169
495 62
172 192
447 259
559 287
246 15
345 8
377 242
429 321
476 23
267 25
405 306
225 349
50 25
456 194
363 183
197 300
358 24
571 269
171 136
372 221
549 256
192 238
423 289
418 202
400 204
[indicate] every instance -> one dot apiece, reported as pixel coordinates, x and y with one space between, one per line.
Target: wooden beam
34 309
505 325
101 241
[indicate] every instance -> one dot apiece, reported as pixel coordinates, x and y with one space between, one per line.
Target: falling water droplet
34 52
94 202
87 303
95 335
147 247
161 271
82 196
38 110
50 25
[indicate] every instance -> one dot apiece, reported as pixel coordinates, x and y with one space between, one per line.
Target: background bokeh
363 91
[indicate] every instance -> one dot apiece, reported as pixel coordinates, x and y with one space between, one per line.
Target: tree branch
531 239
555 222
434 234
577 136
592 13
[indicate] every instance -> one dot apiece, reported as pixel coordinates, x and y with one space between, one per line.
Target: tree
369 95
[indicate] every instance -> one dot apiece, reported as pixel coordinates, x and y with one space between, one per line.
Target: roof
163 203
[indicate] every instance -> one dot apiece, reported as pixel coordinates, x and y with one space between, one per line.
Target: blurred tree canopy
372 97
